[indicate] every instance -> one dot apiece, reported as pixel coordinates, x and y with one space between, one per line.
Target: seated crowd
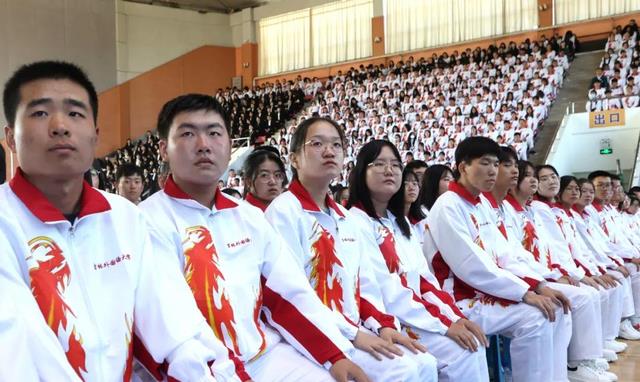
403 280
616 84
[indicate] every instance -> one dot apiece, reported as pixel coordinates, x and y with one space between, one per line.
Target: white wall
576 148
80 31
149 36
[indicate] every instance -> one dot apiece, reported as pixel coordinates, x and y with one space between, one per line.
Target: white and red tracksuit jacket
522 227
329 250
471 254
97 283
600 240
29 350
596 248
238 267
410 291
579 250
606 215
550 224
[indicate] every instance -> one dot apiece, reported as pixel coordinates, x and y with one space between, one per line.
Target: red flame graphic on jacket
206 281
388 249
478 240
256 321
49 279
323 277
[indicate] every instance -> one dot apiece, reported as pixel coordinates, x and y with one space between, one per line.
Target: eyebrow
188 125
66 101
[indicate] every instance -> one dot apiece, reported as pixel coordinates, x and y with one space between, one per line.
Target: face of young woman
322 154
411 189
548 183
443 184
529 185
268 181
587 194
384 175
571 194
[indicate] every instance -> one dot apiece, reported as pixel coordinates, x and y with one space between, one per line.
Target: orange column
248 65
545 13
377 36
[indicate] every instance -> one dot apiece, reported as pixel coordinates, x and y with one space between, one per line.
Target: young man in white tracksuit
85 254
236 265
584 301
470 261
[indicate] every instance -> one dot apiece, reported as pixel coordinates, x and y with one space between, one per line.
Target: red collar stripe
463 193
307 202
220 201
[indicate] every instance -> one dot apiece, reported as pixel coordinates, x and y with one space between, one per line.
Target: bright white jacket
237 266
329 249
597 247
579 250
410 291
30 351
550 224
97 283
614 231
470 252
521 226
601 239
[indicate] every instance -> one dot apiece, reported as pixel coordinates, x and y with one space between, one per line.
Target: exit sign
605 147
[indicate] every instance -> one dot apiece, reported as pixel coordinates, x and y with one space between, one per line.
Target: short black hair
45 70
128 169
429 191
506 153
475 147
188 102
416 163
232 192
634 189
598 174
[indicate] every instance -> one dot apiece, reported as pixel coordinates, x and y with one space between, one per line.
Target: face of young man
130 187
507 175
54 134
603 190
480 174
617 191
198 148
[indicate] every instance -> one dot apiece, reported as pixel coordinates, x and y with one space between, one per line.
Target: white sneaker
602 364
588 372
627 331
616 346
612 377
609 355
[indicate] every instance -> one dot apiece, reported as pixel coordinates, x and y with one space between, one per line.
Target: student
30 351
434 183
418 167
83 246
605 216
231 255
410 291
467 259
265 177
129 182
326 242
584 303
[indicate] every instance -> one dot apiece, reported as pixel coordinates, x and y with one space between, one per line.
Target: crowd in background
616 83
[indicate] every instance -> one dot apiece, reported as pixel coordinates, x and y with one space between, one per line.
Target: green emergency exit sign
606 151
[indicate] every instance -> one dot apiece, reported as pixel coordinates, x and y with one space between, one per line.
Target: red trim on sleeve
431 308
367 310
140 352
533 283
585 269
426 286
285 314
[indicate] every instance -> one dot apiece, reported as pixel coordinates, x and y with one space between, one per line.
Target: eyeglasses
320 145
265 176
413 183
380 166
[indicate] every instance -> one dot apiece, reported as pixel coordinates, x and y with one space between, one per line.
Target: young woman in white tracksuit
410 291
328 246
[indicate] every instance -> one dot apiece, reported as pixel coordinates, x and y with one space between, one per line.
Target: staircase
573 92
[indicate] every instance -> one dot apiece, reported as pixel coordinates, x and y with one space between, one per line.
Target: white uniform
412 293
586 313
468 261
238 267
30 351
96 284
329 249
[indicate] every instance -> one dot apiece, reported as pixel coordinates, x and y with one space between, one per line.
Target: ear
293 158
10 139
162 146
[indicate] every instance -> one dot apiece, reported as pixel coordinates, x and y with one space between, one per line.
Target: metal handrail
634 176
